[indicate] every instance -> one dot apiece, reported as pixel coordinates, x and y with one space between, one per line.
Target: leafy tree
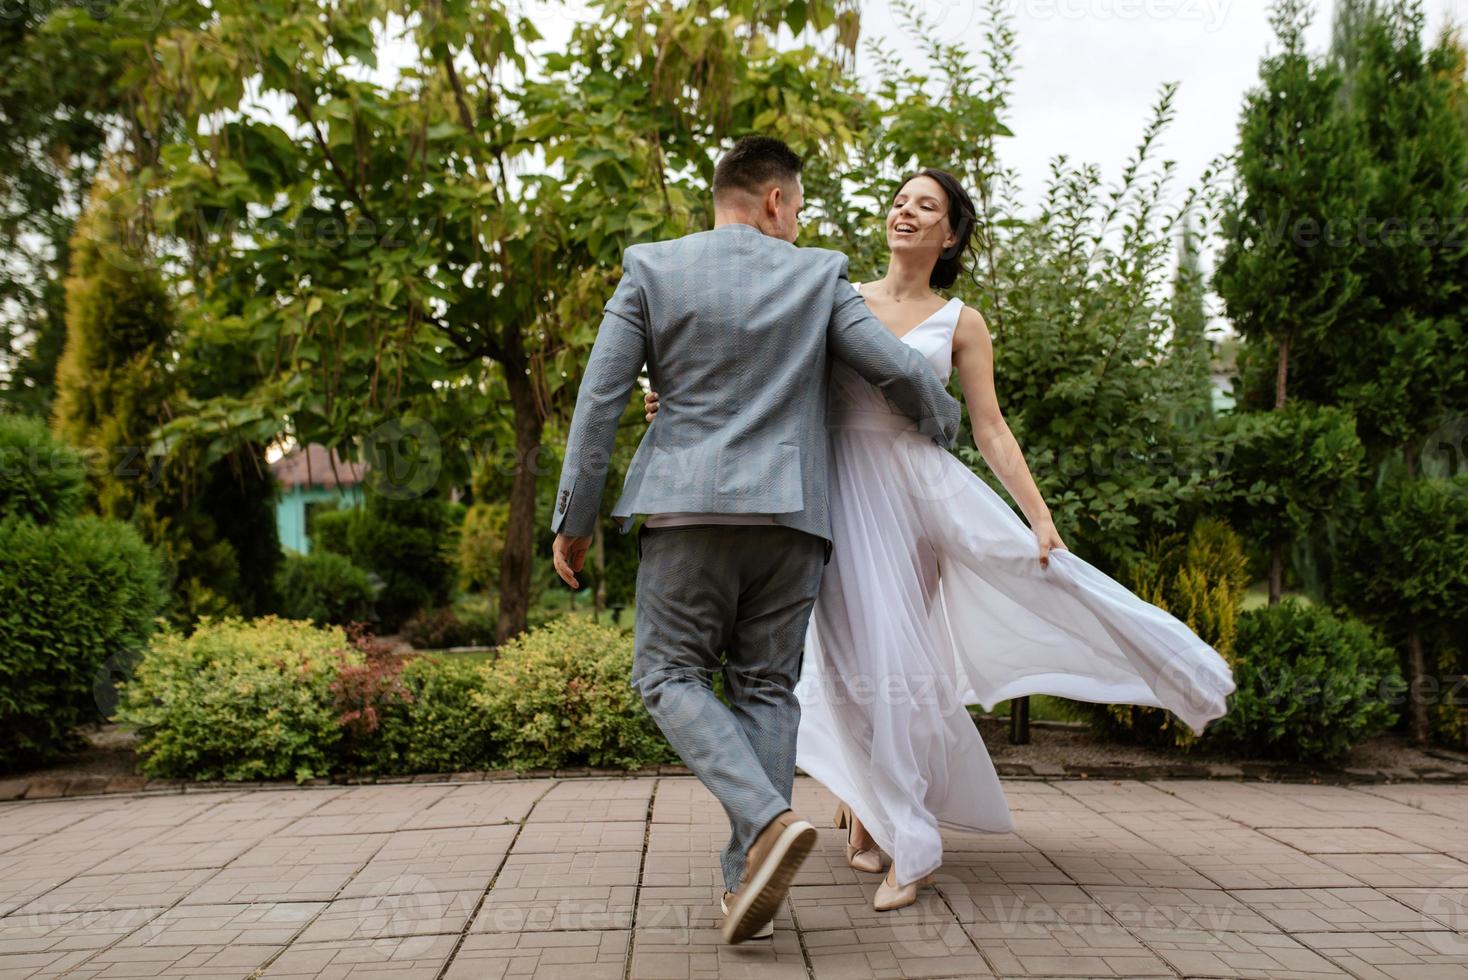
1405 570
1290 269
1411 370
456 229
116 386
63 98
1191 353
1082 360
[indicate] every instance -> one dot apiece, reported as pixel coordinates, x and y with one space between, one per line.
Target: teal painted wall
290 512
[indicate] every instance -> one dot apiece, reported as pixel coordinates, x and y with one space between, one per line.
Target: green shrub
560 696
1311 684
439 629
440 726
410 545
41 478
331 530
72 596
239 700
325 588
364 695
1200 577
481 542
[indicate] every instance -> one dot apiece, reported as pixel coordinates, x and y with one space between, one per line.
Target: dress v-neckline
920 324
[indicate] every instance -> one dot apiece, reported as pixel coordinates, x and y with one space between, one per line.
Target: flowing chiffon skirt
935 599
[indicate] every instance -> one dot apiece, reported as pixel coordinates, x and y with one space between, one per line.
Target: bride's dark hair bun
962 219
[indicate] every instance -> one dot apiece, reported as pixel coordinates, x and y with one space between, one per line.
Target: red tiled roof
313 468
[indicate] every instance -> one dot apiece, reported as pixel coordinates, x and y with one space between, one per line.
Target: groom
737 327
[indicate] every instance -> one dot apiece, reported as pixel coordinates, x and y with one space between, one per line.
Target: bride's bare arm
973 356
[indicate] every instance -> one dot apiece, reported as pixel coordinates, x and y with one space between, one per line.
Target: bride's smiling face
918 218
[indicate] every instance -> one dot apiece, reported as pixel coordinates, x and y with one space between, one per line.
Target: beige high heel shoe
868 859
890 897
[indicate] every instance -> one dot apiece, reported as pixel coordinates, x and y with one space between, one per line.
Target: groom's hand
570 556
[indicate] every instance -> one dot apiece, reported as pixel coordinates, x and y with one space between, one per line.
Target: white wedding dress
935 598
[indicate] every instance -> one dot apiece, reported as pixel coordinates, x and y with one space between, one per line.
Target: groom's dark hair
752 163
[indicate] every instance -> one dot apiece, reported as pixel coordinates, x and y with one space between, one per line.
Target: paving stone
551 838
1033 947
1267 867
1401 870
1101 878
582 800
129 890
701 954
182 962
264 923
1445 906
369 809
1213 910
542 956
1331 909
280 869
1199 953
1394 955
1346 840
915 951
444 860
821 907
40 966
52 932
414 913
404 958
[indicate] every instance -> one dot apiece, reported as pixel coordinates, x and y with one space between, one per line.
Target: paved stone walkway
614 878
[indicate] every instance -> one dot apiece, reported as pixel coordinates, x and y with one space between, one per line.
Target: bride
937 596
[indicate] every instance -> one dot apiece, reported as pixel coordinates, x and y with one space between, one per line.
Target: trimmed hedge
41 478
560 696
1311 684
276 698
239 700
325 588
72 596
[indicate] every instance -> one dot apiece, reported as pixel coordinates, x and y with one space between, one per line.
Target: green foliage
439 629
480 543
331 530
62 104
1084 369
559 696
324 588
1200 577
116 385
73 595
1289 273
1406 561
1311 684
410 545
239 700
277 698
41 479
440 726
1290 467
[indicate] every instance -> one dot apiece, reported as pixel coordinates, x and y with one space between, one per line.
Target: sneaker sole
766 889
763 932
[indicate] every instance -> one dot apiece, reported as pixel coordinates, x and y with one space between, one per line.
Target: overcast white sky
1089 71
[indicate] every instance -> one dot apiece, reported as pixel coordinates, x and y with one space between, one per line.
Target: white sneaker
763 932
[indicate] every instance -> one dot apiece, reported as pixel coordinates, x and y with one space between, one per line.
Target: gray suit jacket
737 330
